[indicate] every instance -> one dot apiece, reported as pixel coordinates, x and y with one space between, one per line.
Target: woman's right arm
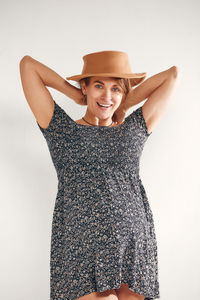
35 76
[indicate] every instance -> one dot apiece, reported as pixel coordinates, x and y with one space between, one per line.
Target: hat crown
109 64
106 62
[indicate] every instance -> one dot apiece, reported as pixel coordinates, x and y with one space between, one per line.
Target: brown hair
124 83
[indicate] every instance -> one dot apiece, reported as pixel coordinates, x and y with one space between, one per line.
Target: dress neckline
96 127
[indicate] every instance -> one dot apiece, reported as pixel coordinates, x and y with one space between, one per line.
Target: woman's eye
117 89
97 85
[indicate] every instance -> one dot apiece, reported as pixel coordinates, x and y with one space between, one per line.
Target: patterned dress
102 229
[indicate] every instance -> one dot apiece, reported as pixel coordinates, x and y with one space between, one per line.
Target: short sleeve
139 121
56 123
54 134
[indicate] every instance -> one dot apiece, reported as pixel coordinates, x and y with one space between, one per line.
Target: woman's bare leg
106 295
124 293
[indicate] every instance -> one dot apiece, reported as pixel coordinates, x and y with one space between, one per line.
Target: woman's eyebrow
98 81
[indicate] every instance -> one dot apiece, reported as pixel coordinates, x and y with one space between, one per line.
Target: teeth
104 105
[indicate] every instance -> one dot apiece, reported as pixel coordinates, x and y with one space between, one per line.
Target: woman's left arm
159 90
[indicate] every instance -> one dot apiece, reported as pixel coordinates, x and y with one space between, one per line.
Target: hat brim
135 78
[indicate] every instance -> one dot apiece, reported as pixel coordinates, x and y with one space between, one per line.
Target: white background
156 35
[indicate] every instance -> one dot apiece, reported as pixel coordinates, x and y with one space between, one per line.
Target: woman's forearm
145 89
52 79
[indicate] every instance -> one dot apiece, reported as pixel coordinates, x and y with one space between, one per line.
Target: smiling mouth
104 105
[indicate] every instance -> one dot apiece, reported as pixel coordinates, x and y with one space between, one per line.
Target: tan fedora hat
108 64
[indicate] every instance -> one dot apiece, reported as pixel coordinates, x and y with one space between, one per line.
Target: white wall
156 35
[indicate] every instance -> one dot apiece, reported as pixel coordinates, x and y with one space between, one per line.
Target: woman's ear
82 84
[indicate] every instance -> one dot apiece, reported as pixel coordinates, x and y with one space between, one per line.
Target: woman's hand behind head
119 115
74 93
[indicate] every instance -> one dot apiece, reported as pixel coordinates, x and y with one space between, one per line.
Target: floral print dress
102 229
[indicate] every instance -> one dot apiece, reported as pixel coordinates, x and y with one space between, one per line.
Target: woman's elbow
25 59
175 71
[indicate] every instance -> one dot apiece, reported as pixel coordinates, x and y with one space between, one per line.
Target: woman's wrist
73 92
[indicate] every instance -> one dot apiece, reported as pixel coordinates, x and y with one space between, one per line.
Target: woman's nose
106 94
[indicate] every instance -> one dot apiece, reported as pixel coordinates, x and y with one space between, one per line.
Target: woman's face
102 91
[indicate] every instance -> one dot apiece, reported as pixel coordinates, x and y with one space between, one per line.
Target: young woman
103 242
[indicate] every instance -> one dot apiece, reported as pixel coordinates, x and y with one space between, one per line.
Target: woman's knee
106 295
124 293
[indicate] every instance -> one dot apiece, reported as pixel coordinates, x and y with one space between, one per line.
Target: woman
103 242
